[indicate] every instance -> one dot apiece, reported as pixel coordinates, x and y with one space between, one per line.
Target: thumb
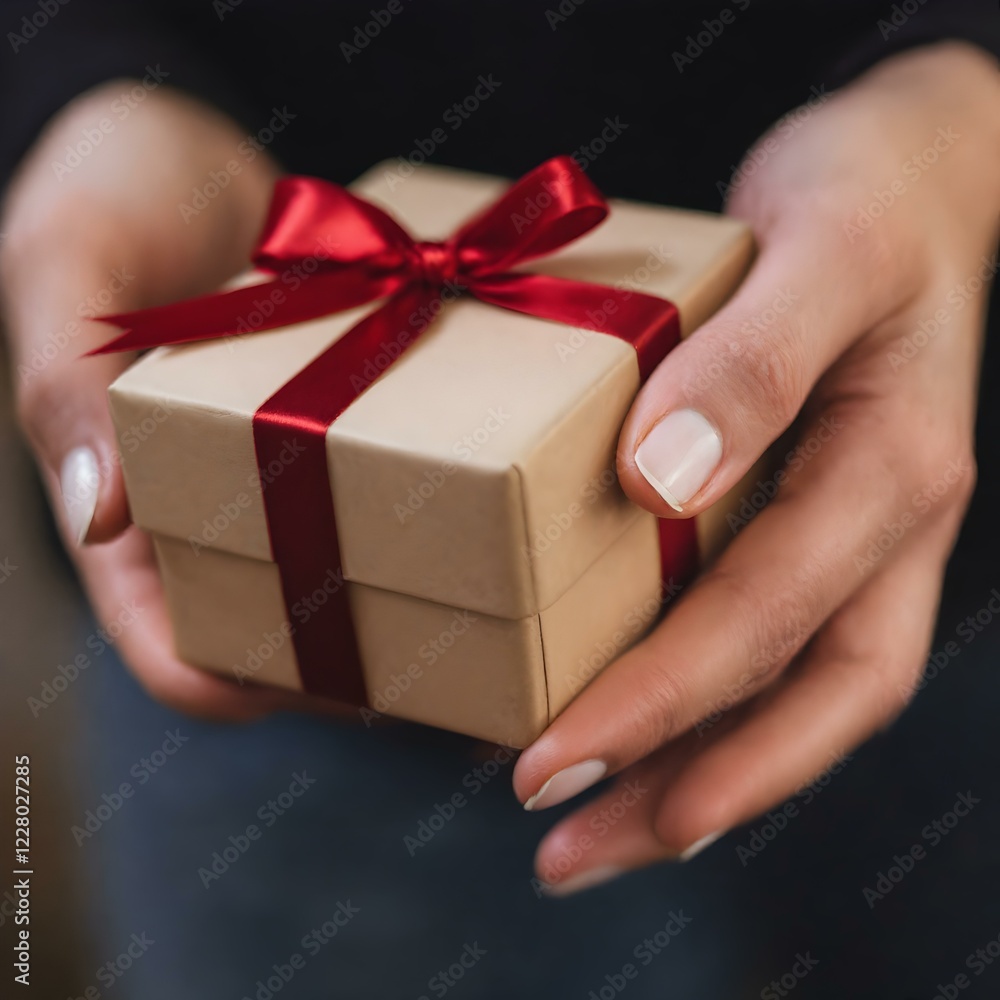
63 407
720 398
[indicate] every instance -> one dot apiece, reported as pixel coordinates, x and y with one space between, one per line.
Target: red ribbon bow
375 258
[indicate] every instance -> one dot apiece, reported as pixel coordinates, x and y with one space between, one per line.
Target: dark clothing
693 84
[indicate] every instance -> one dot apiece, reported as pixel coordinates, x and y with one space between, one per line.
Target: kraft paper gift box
494 565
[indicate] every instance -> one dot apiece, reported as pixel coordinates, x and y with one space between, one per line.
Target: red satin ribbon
375 258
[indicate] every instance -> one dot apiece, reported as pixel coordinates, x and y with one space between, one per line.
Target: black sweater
658 99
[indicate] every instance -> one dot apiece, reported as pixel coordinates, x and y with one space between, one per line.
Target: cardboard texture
493 559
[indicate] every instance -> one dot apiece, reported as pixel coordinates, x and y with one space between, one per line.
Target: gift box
486 557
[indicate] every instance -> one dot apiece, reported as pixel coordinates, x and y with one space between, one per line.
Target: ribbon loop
313 219
549 207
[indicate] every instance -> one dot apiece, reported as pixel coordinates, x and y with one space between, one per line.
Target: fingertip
533 768
193 692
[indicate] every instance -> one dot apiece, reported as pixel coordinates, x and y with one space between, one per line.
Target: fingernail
566 783
585 880
678 455
79 480
699 845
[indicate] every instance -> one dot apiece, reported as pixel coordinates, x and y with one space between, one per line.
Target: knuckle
660 711
943 477
46 406
772 381
873 675
892 690
894 702
968 476
770 627
35 400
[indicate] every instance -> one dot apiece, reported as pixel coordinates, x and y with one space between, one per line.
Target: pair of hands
811 629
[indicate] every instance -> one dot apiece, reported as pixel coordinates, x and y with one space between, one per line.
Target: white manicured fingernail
699 845
80 481
566 783
585 880
678 455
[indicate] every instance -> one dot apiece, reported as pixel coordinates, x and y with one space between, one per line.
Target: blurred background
43 618
802 894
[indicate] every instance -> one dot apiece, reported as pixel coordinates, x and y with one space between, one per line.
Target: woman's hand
861 322
114 229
